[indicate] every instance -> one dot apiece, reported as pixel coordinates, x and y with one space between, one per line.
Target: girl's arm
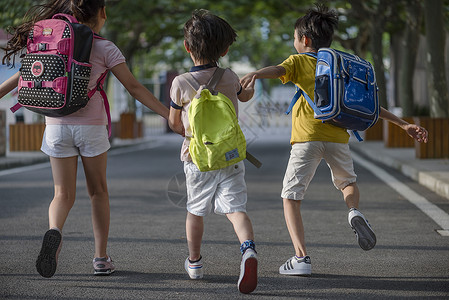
267 72
9 84
247 92
175 122
138 91
417 132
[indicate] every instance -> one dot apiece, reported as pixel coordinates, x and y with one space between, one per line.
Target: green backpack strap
213 81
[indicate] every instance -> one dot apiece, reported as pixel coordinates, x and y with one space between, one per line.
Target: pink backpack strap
100 88
69 18
16 107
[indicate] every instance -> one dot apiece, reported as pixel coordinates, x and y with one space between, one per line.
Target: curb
431 173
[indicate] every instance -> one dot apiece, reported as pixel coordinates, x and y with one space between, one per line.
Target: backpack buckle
38 84
41 46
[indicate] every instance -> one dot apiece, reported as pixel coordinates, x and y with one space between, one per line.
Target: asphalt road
147 236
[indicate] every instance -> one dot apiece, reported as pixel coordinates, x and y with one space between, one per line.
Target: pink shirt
104 55
182 93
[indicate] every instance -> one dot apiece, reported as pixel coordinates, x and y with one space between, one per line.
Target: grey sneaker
362 229
297 266
194 269
103 265
48 257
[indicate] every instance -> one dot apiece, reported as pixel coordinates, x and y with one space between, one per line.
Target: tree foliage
150 35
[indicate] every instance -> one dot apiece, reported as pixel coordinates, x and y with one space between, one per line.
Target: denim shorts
304 160
72 140
226 188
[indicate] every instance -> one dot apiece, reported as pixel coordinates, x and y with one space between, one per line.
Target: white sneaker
248 272
362 229
195 269
297 266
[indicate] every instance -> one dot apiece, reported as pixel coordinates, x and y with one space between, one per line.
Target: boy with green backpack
204 109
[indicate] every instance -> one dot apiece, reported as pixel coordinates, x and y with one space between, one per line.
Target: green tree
13 11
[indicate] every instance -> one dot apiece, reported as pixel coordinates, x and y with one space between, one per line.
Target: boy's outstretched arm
9 84
247 91
267 72
417 132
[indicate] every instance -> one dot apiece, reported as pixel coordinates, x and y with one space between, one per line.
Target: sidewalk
20 159
431 173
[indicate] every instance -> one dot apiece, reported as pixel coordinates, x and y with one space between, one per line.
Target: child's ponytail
85 11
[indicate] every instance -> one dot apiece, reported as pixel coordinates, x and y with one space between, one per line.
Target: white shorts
226 187
304 160
73 140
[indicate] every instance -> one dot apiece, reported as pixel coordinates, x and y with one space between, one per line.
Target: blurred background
405 40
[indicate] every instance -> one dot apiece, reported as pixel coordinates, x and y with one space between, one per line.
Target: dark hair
208 36
85 11
318 25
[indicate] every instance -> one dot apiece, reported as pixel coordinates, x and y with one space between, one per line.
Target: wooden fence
375 133
25 137
396 137
438 144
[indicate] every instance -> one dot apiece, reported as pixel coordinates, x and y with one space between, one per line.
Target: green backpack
217 140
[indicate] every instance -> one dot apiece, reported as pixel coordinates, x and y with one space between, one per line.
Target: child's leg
194 232
64 179
242 226
351 195
293 219
95 171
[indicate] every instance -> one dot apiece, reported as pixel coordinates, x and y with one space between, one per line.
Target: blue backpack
345 91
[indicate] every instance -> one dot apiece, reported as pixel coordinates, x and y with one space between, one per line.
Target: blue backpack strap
312 54
300 92
297 95
357 135
294 100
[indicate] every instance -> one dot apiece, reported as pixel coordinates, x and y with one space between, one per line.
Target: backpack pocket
80 77
322 98
210 155
38 72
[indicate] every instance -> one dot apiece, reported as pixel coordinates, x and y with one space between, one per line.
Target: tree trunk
377 30
409 50
395 69
436 40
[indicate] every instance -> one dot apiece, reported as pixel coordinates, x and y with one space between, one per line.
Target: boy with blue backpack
204 109
313 140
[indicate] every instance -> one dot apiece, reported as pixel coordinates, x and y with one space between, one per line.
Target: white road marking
112 152
24 169
434 212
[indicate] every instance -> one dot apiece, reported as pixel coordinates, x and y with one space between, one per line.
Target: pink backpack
55 70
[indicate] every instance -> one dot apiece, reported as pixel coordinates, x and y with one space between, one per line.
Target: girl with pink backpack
82 133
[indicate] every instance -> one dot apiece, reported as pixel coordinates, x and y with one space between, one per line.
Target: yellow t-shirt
300 69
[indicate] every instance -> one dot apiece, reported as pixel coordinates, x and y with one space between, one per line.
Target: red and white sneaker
195 268
248 272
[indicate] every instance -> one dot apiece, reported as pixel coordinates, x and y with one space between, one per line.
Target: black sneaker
48 257
362 229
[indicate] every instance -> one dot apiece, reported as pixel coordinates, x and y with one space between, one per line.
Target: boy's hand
248 79
247 89
417 132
